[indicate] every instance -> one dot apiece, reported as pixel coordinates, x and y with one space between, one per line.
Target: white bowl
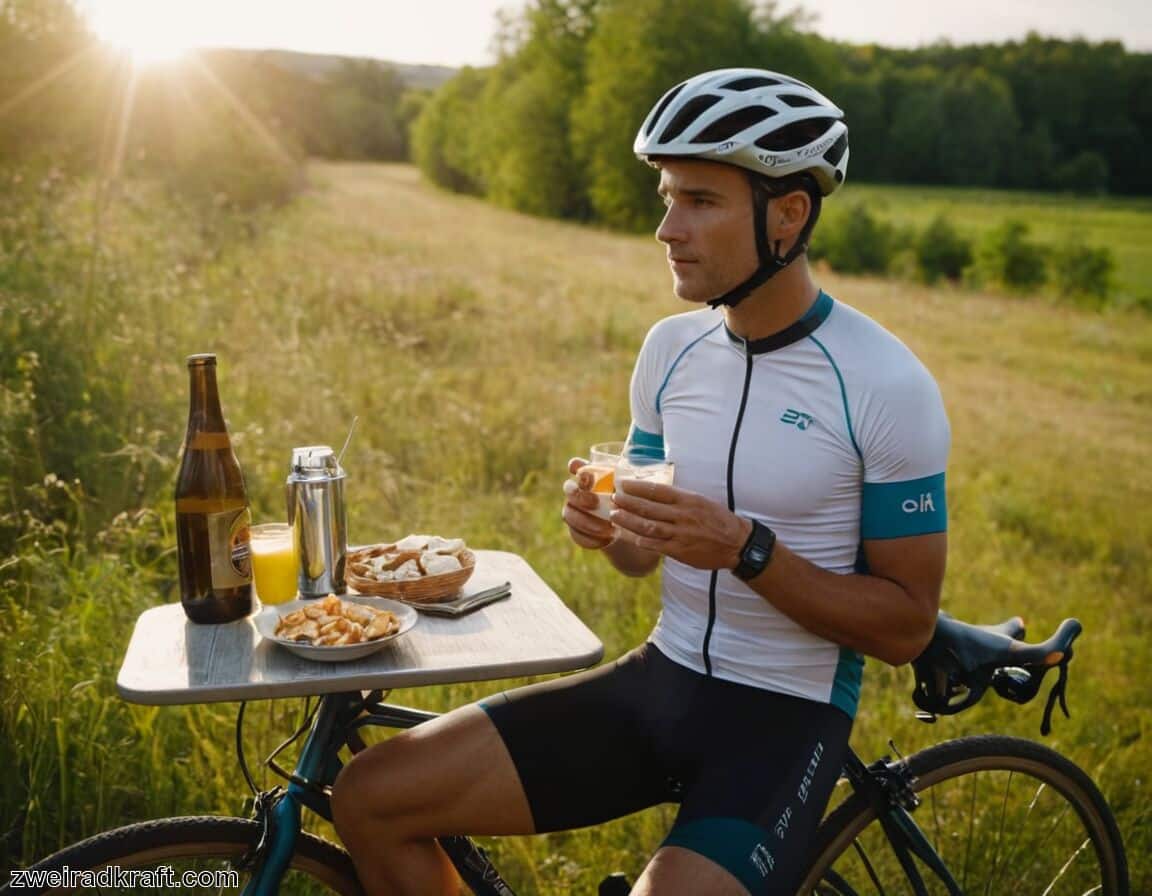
269 617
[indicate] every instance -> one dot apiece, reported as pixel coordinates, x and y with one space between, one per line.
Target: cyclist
807 527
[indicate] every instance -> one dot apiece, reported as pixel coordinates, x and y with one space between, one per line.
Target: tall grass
481 349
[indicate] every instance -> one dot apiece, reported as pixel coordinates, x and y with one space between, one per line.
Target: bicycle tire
317 866
1038 845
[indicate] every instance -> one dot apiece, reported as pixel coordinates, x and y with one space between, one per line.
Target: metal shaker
316 513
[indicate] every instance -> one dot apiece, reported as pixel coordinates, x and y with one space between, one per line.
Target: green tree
640 49
527 142
978 128
443 145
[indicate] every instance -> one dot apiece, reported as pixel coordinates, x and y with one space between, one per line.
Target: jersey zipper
731 503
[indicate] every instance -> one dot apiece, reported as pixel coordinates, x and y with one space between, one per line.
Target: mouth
679 264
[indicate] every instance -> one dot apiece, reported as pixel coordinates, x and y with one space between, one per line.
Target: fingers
645 507
651 491
586 530
576 463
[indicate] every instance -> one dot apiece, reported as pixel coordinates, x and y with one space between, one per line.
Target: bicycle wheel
199 850
1007 816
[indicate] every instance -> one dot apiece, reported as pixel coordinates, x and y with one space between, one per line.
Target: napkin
466 602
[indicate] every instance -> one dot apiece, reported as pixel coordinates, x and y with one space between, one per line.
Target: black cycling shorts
751 769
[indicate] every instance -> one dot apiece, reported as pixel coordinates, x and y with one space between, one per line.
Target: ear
788 214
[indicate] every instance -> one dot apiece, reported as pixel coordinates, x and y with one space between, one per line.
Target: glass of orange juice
602 462
274 567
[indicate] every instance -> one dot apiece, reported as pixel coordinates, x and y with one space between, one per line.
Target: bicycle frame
337 721
888 787
885 784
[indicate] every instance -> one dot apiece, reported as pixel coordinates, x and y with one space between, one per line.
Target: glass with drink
601 464
274 566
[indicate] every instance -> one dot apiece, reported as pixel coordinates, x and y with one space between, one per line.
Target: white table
171 660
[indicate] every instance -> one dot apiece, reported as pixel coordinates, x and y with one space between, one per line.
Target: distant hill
316 65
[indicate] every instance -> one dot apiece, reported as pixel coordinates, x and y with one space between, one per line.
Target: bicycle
988 814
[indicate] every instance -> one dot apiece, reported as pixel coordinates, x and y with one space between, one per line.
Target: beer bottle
212 515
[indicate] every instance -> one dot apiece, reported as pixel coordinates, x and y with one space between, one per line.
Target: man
806 527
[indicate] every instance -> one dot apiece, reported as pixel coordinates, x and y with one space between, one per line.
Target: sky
459 32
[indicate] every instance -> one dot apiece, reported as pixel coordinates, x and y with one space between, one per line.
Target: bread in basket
417 568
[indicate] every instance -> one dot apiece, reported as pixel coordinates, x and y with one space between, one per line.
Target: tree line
548 129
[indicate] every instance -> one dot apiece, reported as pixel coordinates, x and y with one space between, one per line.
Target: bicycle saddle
963 660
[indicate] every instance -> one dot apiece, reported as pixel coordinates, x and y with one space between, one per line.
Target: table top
171 660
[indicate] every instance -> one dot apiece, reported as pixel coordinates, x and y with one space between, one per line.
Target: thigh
761 786
582 746
451 775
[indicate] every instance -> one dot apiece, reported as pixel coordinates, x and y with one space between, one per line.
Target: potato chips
331 622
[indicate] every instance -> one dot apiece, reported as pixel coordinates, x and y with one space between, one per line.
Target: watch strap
756 553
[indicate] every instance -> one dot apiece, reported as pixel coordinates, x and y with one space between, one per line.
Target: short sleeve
645 389
904 441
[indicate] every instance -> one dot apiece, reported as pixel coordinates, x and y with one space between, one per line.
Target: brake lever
1057 693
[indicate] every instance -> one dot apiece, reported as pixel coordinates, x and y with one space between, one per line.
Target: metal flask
315 492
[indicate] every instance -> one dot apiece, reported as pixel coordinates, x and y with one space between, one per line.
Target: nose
671 229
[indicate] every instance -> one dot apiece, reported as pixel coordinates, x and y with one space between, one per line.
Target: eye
702 202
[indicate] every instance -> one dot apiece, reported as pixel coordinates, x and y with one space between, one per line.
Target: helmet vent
795 135
733 123
750 83
836 152
797 102
692 110
668 97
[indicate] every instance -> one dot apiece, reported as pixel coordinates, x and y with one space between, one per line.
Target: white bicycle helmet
766 122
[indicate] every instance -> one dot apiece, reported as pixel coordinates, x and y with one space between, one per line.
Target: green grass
481 349
1063 222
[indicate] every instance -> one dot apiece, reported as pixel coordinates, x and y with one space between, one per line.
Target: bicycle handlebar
964 660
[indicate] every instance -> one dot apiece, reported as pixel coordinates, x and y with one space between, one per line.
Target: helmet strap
771 261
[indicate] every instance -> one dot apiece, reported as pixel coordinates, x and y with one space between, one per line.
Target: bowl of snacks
417 568
335 629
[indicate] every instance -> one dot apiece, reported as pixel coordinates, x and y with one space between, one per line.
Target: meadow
1062 222
481 349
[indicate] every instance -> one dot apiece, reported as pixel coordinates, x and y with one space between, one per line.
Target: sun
145 29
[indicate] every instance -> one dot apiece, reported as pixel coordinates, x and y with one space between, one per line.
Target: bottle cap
315 459
204 358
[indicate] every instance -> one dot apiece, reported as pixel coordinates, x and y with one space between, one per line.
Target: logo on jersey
797 418
924 505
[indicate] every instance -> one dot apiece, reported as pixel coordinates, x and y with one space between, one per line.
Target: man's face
707 228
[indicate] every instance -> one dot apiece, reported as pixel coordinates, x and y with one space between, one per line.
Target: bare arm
889 613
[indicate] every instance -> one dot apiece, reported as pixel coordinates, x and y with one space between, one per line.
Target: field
1064 223
481 349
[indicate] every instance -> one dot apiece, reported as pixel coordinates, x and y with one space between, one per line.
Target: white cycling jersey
831 432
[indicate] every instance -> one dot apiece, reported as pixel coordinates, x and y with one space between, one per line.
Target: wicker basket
426 589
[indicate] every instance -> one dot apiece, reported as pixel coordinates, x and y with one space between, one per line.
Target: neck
774 305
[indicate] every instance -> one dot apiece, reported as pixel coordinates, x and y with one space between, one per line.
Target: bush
1005 256
855 242
942 252
1084 274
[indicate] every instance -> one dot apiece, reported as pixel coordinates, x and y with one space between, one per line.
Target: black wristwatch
756 553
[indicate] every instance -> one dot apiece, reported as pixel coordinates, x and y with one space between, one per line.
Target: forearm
867 613
631 559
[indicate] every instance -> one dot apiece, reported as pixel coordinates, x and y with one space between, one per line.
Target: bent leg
452 775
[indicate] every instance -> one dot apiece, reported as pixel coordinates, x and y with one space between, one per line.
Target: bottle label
232 562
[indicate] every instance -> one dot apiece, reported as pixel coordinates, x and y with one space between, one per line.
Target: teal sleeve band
900 509
646 440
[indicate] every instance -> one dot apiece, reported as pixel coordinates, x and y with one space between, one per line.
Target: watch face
757 554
